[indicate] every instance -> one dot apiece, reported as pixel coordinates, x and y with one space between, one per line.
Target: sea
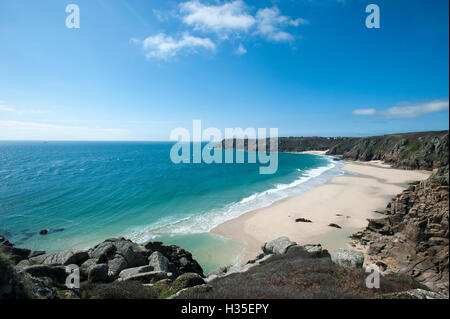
86 192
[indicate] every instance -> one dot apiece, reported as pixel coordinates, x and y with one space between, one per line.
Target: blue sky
135 70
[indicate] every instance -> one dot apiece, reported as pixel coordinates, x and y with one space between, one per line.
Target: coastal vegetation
419 150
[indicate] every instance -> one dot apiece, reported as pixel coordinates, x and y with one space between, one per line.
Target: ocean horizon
85 192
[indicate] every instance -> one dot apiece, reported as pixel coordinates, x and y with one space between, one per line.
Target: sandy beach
346 201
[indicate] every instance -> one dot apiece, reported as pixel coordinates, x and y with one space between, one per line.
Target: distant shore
346 201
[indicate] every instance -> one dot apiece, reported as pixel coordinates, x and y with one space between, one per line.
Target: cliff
421 150
426 150
413 238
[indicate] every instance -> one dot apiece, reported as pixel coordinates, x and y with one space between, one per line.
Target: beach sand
346 201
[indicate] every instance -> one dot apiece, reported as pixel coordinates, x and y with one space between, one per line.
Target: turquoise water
85 192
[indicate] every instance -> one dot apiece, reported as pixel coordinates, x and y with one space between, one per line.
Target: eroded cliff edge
413 238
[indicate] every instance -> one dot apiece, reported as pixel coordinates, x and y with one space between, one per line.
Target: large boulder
102 250
278 246
132 253
57 273
98 273
159 262
127 273
16 254
147 277
316 250
116 263
65 257
181 261
84 268
348 258
135 255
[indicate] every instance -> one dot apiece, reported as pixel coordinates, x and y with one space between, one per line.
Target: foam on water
202 223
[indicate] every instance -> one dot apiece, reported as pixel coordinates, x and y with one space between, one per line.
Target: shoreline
347 201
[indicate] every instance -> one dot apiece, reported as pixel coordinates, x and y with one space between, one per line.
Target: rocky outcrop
426 150
114 260
180 260
413 238
421 150
66 257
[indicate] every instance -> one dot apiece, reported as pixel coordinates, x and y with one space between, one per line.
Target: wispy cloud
4 107
18 130
241 50
364 111
408 110
270 23
161 46
160 15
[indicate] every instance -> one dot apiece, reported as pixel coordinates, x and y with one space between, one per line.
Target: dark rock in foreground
284 270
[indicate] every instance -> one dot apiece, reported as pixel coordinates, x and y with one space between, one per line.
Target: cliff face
414 236
422 150
285 144
425 150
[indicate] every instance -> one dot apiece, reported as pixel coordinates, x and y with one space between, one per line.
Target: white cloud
230 16
408 110
161 16
9 109
163 47
17 130
364 112
226 20
241 50
6 108
270 22
417 109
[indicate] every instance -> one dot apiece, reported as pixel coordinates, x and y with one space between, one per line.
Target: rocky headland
413 237
420 150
